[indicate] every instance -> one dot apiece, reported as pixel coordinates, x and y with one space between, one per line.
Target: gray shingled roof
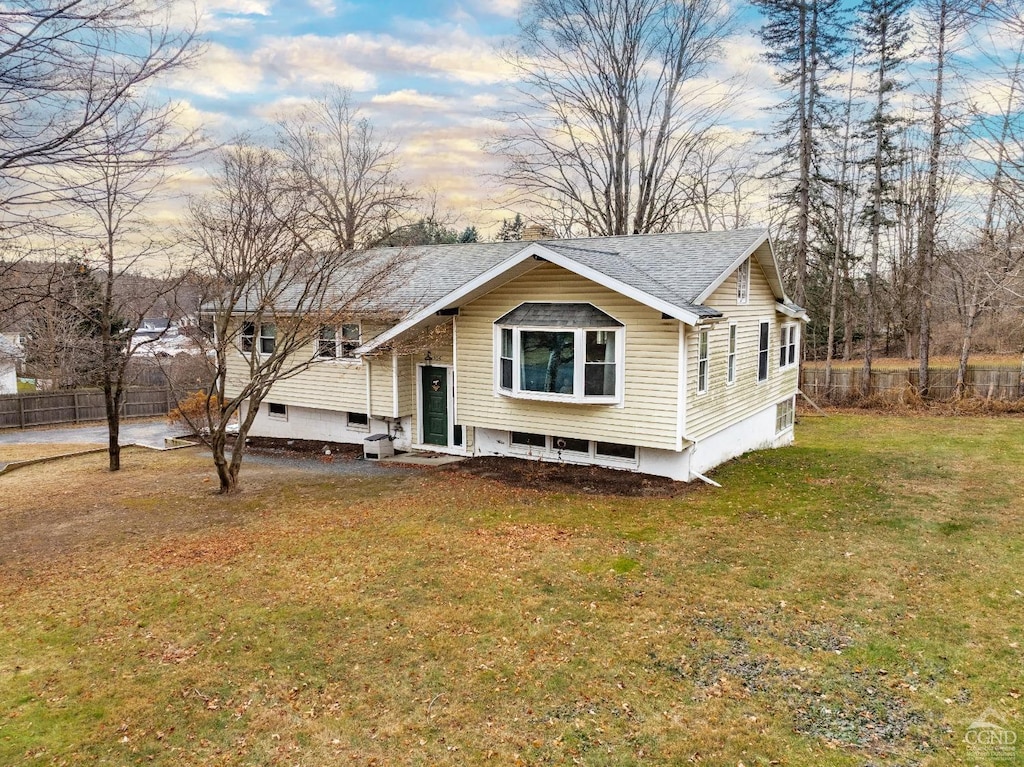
675 268
546 315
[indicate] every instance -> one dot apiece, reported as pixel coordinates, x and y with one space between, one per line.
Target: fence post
21 412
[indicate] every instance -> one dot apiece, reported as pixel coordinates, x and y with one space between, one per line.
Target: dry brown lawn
855 600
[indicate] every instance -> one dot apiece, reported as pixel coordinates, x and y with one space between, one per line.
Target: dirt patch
304 448
562 477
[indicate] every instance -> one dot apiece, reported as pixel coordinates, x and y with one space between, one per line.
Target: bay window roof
551 315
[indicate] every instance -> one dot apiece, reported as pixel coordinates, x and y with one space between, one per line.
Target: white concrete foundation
326 425
757 432
753 433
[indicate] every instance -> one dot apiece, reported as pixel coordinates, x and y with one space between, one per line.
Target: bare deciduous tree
65 67
348 171
723 180
112 187
945 20
270 290
613 106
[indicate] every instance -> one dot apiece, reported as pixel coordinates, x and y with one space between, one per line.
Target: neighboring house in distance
665 354
10 353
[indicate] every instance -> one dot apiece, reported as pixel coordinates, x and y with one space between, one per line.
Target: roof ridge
557 244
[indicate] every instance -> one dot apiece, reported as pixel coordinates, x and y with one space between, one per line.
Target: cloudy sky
428 71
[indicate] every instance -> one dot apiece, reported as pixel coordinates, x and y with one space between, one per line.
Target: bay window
569 352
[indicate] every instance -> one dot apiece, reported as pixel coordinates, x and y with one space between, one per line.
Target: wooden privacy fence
18 411
1001 383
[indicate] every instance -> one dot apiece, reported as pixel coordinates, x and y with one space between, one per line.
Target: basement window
784 413
527 439
615 450
277 410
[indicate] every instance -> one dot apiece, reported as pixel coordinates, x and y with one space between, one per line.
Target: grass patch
856 599
14 453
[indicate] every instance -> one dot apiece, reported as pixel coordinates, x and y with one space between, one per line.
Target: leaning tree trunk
965 353
972 311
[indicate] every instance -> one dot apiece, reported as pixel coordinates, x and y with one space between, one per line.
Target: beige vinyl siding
724 404
648 414
328 384
406 385
382 401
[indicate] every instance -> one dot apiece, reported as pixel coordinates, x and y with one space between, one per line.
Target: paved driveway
150 432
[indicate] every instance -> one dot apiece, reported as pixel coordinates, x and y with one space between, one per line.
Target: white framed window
268 338
248 336
730 370
743 282
702 362
327 342
562 362
277 411
263 337
615 450
338 342
570 445
787 344
554 447
784 413
506 361
351 339
763 339
359 421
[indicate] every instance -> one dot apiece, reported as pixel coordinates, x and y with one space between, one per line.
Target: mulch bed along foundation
564 477
516 472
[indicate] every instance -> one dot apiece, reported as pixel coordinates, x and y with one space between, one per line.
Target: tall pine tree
804 43
884 31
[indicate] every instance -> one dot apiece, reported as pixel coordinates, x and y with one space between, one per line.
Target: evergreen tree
511 231
804 43
884 32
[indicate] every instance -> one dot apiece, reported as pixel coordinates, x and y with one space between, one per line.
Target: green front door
434 385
